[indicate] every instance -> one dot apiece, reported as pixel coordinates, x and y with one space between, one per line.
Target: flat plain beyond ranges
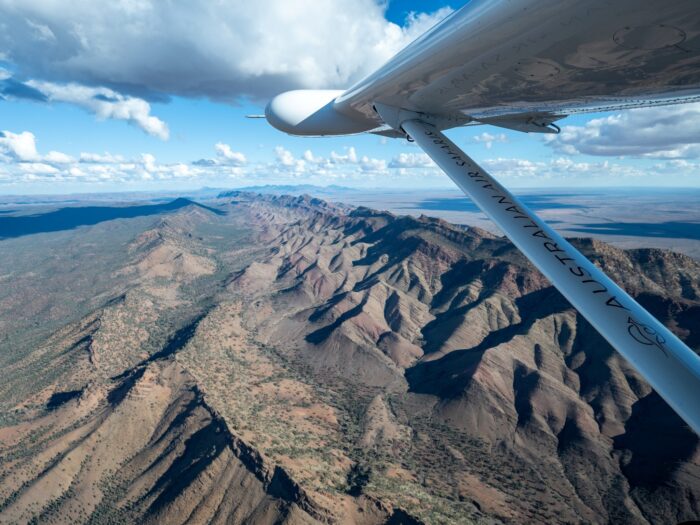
281 359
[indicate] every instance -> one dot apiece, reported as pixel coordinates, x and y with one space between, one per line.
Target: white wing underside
511 60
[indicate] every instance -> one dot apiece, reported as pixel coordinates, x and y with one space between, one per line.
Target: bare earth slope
299 362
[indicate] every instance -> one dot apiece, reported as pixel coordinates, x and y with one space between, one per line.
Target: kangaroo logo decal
645 335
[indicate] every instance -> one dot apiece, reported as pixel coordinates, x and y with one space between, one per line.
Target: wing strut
669 366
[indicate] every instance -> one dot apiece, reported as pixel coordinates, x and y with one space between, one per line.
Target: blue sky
138 109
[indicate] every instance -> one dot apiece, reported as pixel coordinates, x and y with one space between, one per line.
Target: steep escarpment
149 449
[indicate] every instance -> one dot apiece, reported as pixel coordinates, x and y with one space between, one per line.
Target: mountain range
283 359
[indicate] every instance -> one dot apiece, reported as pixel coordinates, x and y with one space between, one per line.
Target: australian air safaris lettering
640 332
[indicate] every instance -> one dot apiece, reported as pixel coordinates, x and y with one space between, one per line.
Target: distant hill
293 189
67 218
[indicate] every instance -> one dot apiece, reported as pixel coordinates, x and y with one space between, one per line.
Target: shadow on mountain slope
73 217
535 202
448 376
672 229
658 441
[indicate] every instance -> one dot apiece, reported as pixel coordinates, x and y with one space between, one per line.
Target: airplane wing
501 61
524 64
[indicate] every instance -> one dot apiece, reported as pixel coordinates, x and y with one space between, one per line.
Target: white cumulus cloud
487 139
235 158
106 104
56 157
412 160
662 132
203 47
104 158
284 156
37 168
19 146
335 166
349 157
